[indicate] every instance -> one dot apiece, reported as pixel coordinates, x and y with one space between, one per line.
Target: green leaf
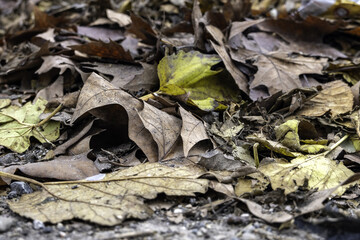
19 124
190 74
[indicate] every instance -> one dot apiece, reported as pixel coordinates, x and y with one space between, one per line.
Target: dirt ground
176 223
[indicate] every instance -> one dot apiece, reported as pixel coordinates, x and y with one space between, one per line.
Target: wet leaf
111 198
16 134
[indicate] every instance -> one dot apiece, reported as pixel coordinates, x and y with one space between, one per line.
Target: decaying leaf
111 198
190 74
272 145
288 134
255 183
310 172
336 98
15 134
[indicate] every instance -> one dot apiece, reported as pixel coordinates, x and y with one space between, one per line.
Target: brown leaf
77 136
336 98
239 77
271 217
97 94
120 18
277 72
142 30
53 91
192 131
164 128
120 74
110 50
196 18
100 33
110 199
62 168
308 37
43 20
239 27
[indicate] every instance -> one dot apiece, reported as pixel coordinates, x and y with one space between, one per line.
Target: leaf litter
250 103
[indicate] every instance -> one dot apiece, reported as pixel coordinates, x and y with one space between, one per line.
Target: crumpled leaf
110 198
288 134
190 75
336 98
98 94
272 145
311 172
15 134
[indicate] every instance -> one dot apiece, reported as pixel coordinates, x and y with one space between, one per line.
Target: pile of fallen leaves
134 100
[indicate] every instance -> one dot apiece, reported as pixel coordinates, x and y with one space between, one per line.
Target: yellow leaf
19 124
113 197
190 74
288 135
310 172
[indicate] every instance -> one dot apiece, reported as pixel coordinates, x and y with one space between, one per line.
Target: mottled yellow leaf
311 172
288 135
19 124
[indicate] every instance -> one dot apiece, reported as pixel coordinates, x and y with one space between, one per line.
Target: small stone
249 236
62 234
60 227
19 188
178 211
37 225
6 223
47 229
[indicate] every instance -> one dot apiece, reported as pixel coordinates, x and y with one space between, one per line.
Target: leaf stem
336 144
50 116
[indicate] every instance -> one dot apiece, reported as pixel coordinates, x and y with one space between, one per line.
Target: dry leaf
142 30
97 93
110 50
311 172
62 168
192 131
336 98
277 72
239 77
120 18
112 198
164 128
